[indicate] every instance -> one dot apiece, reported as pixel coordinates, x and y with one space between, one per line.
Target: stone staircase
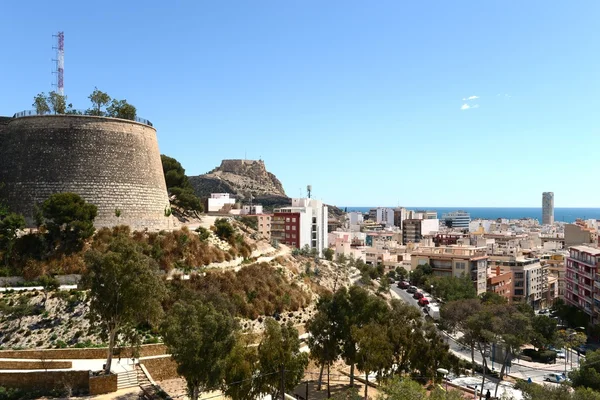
143 381
127 379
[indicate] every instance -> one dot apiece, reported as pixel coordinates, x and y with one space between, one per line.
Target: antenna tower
309 190
59 63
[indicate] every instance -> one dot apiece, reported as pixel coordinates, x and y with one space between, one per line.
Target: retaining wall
81 354
46 380
161 368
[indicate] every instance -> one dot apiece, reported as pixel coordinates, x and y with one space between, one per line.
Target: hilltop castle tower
112 163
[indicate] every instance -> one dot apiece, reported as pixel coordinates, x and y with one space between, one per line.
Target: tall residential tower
547 208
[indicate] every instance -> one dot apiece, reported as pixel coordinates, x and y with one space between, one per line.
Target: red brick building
285 228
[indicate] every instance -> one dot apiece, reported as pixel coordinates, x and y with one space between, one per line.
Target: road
519 369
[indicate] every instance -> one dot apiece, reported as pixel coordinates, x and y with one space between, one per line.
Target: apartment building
400 214
501 283
557 268
529 278
583 281
455 261
385 216
580 233
264 225
252 209
413 230
302 224
457 220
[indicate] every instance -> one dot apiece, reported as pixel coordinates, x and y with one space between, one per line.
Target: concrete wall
112 163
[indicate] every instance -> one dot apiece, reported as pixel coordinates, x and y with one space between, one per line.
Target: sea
560 214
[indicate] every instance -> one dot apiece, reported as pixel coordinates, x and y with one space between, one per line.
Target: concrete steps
127 379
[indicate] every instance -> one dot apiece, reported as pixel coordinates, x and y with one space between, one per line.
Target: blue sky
360 99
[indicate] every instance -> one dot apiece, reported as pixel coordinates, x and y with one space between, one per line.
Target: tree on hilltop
121 109
40 103
125 290
10 225
99 100
58 102
179 186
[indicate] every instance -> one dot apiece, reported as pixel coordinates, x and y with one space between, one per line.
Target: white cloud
465 107
472 97
475 106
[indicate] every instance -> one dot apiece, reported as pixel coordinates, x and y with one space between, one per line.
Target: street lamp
432 291
444 372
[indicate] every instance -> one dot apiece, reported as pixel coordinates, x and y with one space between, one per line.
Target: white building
457 219
385 216
302 224
252 209
217 201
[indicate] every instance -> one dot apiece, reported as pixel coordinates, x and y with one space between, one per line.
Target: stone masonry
112 163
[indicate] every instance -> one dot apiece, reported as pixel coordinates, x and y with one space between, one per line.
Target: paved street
520 369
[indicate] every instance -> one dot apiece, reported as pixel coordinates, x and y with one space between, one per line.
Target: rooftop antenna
308 190
59 63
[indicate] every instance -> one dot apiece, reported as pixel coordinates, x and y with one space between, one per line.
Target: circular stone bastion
112 163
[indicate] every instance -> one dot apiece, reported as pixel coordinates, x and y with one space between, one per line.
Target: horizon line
432 208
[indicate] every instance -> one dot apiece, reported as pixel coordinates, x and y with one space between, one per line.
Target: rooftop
587 249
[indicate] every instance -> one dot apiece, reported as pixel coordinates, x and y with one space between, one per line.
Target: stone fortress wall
112 163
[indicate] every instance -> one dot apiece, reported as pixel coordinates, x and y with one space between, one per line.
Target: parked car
418 295
412 289
553 377
560 354
423 301
403 285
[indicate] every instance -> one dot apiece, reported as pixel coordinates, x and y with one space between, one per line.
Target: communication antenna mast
308 190
59 63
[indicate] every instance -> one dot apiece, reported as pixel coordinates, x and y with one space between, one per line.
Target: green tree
57 102
588 373
455 317
10 225
450 288
200 339
125 290
328 253
324 340
374 350
179 186
402 389
241 367
401 273
224 230
279 352
99 100
403 325
69 221
121 109
544 331
40 103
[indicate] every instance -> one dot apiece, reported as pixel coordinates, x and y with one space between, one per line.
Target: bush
542 356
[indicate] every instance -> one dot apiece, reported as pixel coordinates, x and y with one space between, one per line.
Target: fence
30 113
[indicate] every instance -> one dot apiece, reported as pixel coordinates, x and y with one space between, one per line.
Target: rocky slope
243 179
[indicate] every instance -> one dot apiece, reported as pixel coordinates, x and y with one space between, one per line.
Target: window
293 236
518 292
287 219
293 227
293 219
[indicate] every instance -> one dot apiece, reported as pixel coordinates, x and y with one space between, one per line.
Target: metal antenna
59 63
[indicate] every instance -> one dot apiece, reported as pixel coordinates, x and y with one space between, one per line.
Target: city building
302 224
264 225
413 230
252 209
355 218
400 214
557 268
447 238
501 283
385 216
547 208
220 202
529 278
455 261
580 233
583 280
457 220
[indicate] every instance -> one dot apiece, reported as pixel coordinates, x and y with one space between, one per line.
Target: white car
552 377
560 354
